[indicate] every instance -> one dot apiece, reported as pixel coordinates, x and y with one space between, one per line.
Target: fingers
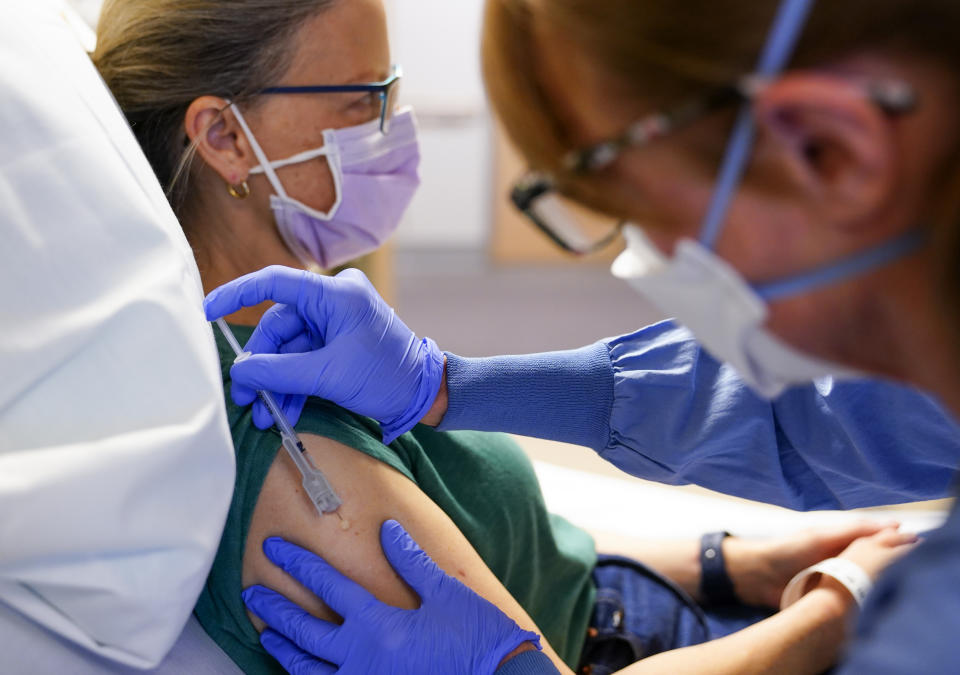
292 407
355 275
279 325
836 538
298 345
307 632
242 396
262 419
293 659
409 560
291 404
283 373
862 527
279 284
865 528
894 538
342 595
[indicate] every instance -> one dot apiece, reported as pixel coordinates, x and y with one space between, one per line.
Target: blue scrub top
655 404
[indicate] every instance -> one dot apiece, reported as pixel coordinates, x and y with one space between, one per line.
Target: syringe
314 482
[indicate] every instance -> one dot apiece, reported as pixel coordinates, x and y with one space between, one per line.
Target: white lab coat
28 649
116 466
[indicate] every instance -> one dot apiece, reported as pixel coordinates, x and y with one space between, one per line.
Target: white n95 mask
375 176
726 315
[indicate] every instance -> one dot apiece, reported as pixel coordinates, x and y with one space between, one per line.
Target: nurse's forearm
561 396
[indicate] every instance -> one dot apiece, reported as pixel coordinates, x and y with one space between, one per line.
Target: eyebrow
369 76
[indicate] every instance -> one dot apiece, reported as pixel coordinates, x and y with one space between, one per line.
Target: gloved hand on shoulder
453 631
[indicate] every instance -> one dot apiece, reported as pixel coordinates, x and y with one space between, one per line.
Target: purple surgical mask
375 176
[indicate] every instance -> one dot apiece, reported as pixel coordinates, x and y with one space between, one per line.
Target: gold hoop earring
241 191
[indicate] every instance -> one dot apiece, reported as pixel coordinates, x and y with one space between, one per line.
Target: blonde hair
158 56
664 50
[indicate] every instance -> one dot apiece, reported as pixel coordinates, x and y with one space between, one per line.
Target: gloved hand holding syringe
314 482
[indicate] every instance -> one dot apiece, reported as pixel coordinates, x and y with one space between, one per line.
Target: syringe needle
315 484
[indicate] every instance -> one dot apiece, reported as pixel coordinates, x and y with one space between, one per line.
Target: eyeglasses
536 196
387 91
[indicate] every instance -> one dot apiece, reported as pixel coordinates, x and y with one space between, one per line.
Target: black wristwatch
716 588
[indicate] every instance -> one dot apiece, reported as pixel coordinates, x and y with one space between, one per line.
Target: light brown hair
665 50
158 56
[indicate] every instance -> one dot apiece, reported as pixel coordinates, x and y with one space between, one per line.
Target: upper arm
371 492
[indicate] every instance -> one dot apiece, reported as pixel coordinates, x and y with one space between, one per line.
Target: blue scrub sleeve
655 404
528 663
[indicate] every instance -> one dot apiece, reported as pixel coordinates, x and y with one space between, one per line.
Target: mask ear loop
335 164
329 150
258 152
299 158
787 27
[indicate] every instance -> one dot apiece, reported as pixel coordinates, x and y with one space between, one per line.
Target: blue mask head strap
848 268
787 27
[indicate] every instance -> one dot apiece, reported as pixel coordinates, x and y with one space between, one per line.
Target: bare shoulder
372 492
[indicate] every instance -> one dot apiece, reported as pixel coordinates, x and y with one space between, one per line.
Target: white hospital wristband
848 573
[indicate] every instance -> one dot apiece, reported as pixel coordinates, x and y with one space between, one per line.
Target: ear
219 139
836 144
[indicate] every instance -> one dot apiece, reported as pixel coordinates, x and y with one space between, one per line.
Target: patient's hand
875 554
760 569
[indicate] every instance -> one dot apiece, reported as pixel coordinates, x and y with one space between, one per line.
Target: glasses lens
389 98
573 227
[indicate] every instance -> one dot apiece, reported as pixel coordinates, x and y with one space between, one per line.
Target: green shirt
482 481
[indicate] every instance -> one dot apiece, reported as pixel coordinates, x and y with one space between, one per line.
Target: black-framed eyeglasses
535 195
387 91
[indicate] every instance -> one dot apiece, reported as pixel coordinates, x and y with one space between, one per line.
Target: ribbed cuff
528 663
560 396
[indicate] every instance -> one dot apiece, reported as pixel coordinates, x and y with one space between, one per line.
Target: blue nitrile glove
454 631
332 337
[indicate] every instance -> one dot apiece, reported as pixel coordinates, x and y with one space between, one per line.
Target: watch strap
716 588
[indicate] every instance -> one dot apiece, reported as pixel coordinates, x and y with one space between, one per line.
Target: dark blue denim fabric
640 613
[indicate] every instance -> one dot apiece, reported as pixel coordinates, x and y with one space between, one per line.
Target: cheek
311 183
665 197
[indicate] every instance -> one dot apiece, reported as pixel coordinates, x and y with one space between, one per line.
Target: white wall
438 44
